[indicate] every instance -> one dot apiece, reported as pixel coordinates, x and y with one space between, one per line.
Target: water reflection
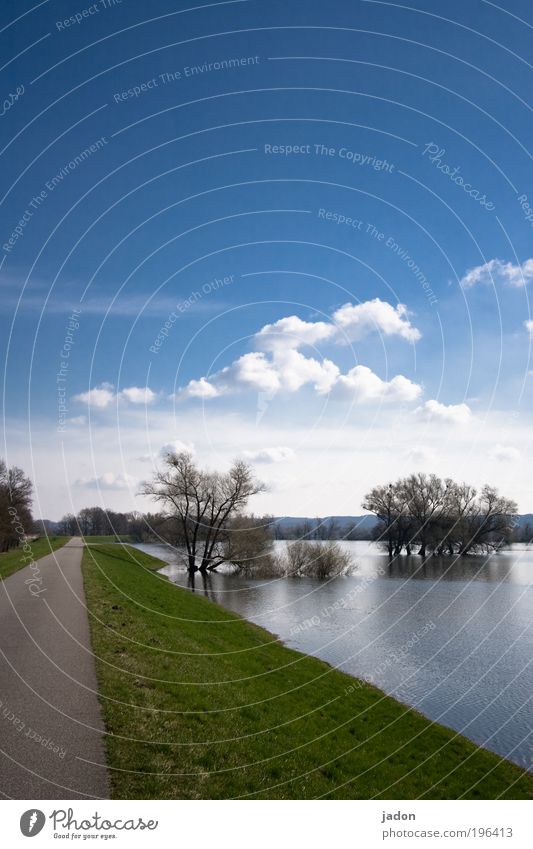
200 581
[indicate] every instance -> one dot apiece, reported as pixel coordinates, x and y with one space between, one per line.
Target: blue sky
176 187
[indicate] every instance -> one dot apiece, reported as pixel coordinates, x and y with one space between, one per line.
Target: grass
107 538
200 704
12 561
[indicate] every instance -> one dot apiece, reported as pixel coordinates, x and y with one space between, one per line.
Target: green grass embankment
106 538
12 561
200 704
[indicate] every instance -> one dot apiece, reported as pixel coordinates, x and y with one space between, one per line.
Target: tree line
15 506
426 514
203 513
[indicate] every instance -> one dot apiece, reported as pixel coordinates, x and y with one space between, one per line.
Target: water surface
450 638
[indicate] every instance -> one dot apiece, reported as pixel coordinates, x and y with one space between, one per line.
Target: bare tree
203 502
249 544
441 516
15 505
426 497
488 525
386 502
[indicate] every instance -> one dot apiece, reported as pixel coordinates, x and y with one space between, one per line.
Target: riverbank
12 561
199 703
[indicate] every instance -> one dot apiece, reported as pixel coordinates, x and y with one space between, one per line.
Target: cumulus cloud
290 371
174 447
102 396
279 365
529 327
292 332
108 480
200 389
350 322
278 454
504 453
287 370
495 270
357 320
448 413
363 385
138 395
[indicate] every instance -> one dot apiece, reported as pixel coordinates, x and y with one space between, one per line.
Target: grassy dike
12 561
200 704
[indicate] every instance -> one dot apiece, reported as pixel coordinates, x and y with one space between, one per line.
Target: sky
298 233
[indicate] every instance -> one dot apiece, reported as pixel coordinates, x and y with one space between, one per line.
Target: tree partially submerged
440 516
249 545
315 560
203 504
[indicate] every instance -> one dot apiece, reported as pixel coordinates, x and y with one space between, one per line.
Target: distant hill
326 527
353 527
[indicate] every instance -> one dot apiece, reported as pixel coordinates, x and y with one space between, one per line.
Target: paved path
50 721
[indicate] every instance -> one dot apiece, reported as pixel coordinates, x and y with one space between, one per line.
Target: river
451 639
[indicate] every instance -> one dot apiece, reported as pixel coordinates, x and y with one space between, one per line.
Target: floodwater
453 639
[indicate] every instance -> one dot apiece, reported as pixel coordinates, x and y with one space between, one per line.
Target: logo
32 822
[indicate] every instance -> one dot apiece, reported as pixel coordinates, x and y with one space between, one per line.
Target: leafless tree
249 544
15 505
440 516
203 502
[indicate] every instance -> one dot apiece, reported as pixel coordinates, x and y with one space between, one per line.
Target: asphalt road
51 730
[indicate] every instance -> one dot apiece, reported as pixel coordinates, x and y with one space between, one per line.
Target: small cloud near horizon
109 480
277 454
504 453
448 413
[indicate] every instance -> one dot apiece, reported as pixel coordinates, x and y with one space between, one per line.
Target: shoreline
249 717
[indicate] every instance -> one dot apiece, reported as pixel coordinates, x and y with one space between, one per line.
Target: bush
316 559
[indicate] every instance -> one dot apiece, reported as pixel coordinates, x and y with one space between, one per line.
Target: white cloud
200 389
108 480
100 397
253 371
176 447
529 327
296 370
138 395
495 270
350 322
363 385
289 371
357 320
280 367
292 332
450 413
504 453
77 421
279 454
104 395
